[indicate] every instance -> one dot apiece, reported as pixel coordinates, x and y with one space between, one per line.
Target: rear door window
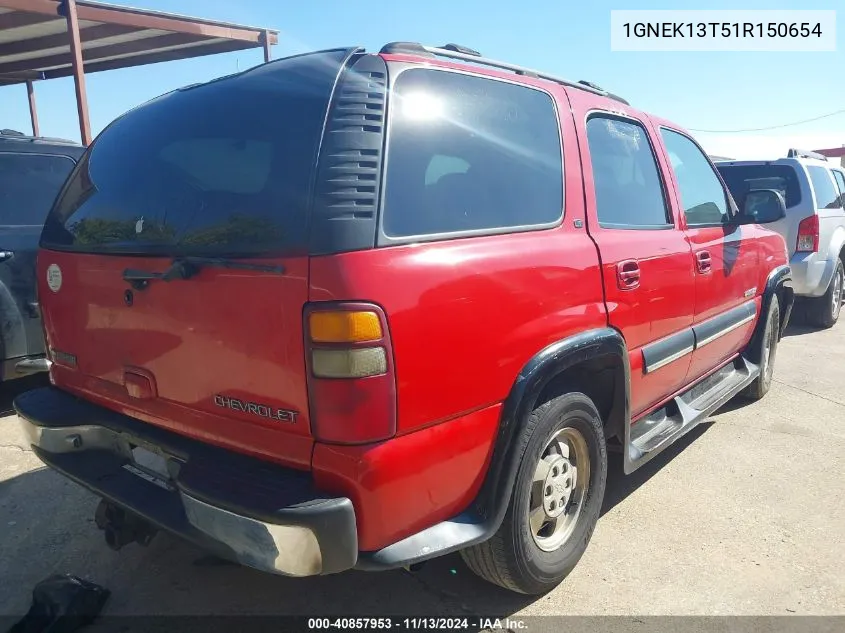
223 167
469 155
629 192
29 184
827 197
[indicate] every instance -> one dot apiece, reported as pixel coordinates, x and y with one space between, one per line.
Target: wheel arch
567 364
778 284
835 253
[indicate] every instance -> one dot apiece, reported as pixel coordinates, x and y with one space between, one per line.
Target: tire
766 354
824 311
512 557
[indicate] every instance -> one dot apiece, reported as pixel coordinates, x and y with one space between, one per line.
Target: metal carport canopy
45 39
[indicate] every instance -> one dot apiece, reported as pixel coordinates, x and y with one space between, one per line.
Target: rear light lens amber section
351 379
344 327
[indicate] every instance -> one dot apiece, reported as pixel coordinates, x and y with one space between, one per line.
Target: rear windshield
741 179
223 167
28 186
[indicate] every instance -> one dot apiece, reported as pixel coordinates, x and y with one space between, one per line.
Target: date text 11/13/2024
418 624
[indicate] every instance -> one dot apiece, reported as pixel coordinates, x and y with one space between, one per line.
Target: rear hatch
783 178
174 266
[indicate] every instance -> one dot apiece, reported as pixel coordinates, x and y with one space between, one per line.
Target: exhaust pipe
122 528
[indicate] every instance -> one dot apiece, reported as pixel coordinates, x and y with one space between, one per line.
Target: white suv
814 226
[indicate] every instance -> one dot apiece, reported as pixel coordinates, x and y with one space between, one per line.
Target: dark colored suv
32 170
351 310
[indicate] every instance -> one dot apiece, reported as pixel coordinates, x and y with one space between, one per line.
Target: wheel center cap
557 486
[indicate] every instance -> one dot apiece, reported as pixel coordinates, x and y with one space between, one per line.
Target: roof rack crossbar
456 52
800 153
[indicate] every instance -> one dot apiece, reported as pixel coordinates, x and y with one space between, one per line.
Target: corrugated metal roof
835 152
34 42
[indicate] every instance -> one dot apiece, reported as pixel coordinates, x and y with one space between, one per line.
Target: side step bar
648 436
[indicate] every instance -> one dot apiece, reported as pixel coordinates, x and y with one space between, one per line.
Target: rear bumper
811 275
259 514
24 366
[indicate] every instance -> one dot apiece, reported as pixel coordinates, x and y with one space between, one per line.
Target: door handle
627 275
702 262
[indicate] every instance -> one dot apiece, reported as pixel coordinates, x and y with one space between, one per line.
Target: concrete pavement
745 515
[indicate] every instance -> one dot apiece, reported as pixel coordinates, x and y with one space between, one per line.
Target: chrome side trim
669 359
724 331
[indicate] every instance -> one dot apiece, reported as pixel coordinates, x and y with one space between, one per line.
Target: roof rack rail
454 51
9 135
800 153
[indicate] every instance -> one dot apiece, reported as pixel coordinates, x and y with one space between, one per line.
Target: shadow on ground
13 388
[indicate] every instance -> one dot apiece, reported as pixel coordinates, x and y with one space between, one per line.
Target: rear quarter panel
465 315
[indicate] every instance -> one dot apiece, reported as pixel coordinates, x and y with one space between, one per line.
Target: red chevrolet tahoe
351 310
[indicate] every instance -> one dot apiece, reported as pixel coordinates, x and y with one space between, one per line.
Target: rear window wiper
188 266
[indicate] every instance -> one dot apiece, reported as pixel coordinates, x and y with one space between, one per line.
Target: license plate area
151 464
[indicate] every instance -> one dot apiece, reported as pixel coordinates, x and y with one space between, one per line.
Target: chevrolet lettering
255 408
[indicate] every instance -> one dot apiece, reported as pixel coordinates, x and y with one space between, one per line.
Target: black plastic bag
61 604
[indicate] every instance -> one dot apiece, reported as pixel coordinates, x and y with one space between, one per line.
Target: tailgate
218 357
218 175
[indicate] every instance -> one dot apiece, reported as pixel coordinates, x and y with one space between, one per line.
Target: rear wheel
768 350
556 499
824 311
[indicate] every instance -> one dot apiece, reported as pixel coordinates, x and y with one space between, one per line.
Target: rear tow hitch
121 527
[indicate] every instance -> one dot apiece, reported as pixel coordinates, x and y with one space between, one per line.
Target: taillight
808 235
351 381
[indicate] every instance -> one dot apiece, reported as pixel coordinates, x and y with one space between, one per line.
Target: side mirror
762 206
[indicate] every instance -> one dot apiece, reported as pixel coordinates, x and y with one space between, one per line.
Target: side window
840 182
826 195
28 185
703 197
629 193
469 154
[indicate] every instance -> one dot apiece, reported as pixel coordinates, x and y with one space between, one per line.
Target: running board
648 436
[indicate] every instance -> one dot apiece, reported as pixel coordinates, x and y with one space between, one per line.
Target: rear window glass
28 186
741 179
827 196
628 189
470 154
223 167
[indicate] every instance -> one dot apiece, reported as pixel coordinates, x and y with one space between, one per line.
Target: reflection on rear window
28 186
224 167
741 179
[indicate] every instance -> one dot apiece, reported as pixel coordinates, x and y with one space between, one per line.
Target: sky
570 38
